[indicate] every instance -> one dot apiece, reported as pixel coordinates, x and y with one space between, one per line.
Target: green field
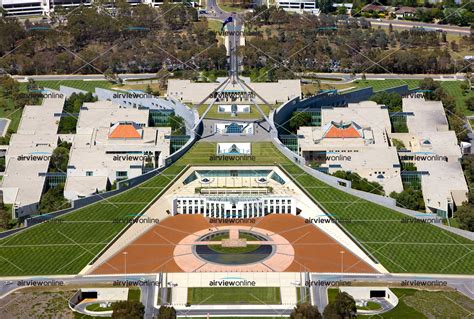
400 247
379 85
134 294
418 304
371 305
68 246
332 293
453 88
253 114
234 296
88 86
98 308
65 248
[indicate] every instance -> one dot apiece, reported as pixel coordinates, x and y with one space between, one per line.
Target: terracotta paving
166 248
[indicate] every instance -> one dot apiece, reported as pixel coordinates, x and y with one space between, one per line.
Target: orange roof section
348 132
125 131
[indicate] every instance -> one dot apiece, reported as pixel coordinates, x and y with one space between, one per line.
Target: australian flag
228 20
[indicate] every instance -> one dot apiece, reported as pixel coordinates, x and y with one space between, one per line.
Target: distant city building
298 5
348 6
45 7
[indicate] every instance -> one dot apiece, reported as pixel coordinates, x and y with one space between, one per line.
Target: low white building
234 206
434 149
113 143
28 155
355 139
298 5
272 92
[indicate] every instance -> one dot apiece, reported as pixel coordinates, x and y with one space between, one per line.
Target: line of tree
132 39
291 44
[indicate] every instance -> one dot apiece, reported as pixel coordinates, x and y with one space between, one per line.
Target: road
214 12
403 24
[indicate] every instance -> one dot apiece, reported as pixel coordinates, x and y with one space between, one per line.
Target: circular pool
248 254
210 255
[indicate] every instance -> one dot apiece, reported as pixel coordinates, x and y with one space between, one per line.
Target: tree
166 312
128 309
363 184
345 305
299 119
59 159
53 200
409 199
470 103
330 312
305 311
392 100
465 216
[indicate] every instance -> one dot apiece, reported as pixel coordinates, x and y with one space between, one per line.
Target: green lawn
226 6
253 114
88 86
10 112
400 247
371 305
379 85
214 25
97 307
417 304
134 294
67 247
453 88
332 293
234 296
